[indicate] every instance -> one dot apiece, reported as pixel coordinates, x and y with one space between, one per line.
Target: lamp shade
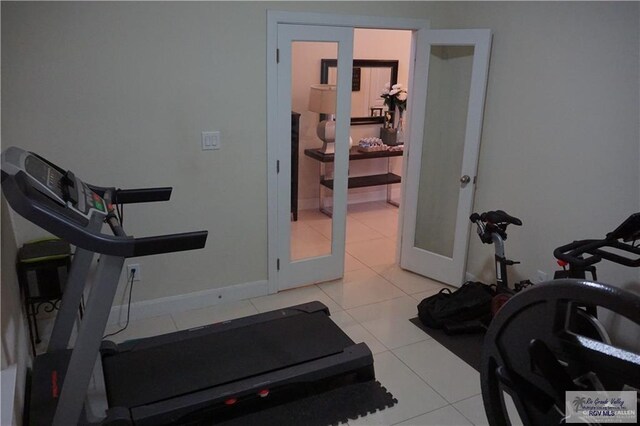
322 98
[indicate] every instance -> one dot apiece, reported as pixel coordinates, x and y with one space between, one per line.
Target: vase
388 119
388 136
400 130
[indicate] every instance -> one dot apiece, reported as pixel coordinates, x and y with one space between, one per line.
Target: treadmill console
50 180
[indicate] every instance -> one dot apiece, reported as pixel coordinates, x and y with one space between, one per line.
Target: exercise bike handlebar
596 250
572 253
622 240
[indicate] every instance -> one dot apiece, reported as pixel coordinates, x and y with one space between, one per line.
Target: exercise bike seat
500 217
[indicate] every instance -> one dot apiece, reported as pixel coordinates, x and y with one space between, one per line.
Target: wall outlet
138 272
541 276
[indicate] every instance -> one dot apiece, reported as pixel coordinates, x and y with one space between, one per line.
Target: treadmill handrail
130 196
16 188
142 195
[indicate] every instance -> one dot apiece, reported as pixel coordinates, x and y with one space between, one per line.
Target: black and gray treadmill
203 375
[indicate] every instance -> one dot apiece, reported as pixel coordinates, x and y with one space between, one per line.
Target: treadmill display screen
45 174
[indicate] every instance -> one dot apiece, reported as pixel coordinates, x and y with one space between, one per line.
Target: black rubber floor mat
328 408
467 347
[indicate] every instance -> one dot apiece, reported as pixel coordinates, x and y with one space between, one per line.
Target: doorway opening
337 182
381 59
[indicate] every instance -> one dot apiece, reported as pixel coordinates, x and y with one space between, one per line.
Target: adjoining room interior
122 92
372 223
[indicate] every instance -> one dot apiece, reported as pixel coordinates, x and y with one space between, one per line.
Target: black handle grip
632 262
169 243
570 252
142 195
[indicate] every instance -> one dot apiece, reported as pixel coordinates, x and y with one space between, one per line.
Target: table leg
322 191
393 203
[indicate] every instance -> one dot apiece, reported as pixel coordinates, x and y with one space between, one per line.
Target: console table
356 181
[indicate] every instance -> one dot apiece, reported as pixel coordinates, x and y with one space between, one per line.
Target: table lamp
322 99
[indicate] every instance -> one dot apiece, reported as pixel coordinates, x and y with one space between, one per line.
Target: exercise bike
492 229
475 298
536 351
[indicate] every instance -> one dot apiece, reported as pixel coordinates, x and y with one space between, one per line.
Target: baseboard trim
185 302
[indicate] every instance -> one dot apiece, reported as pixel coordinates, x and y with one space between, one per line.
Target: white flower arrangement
395 96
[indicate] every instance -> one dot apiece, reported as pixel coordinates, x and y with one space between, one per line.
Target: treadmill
203 375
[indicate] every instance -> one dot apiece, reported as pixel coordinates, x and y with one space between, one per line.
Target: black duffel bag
470 303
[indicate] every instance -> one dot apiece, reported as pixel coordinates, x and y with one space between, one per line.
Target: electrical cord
126 324
120 212
119 208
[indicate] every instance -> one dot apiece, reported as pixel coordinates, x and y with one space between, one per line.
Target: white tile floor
372 304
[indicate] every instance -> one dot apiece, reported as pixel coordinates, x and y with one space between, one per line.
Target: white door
445 121
300 263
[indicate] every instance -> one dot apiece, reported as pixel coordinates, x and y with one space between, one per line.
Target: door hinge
277 56
278 264
277 166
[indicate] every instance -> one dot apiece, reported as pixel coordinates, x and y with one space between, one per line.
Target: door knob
465 179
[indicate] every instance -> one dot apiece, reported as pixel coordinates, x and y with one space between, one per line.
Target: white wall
121 91
561 134
560 139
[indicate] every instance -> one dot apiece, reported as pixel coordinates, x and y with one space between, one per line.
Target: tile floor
372 303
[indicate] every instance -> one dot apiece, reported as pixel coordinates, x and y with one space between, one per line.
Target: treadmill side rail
154 341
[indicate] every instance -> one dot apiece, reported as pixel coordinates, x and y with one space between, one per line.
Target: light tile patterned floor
373 304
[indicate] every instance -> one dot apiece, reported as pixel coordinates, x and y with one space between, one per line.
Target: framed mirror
369 79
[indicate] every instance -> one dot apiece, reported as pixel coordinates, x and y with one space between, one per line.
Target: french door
445 121
447 84
299 263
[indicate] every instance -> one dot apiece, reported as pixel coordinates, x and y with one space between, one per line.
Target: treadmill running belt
140 377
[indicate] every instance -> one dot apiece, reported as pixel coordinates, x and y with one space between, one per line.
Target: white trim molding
185 302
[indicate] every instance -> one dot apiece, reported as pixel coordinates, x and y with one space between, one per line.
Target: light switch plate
210 140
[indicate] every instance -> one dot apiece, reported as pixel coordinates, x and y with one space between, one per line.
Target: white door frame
274 18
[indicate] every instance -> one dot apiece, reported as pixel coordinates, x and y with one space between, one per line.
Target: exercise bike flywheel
541 344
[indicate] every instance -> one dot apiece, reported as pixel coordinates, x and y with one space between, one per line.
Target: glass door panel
311 230
443 147
310 243
445 118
